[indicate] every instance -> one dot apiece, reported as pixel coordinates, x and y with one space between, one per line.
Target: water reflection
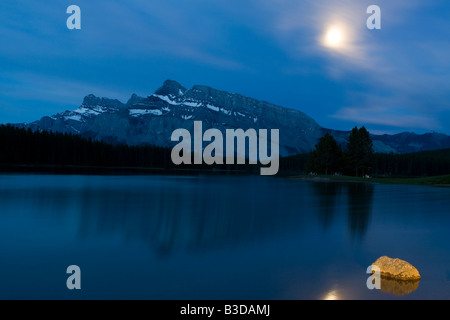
398 287
170 213
331 295
193 214
327 195
360 202
238 237
359 198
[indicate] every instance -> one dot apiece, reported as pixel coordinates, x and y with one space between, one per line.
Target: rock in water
399 287
396 269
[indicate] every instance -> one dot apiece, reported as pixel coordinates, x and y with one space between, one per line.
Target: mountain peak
134 99
171 87
91 100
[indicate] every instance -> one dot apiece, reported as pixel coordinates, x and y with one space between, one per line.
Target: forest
357 158
25 150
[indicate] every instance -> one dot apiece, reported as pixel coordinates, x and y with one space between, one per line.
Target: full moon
333 37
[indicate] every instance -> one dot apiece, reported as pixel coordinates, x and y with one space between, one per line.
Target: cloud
134 28
300 27
396 118
397 76
54 89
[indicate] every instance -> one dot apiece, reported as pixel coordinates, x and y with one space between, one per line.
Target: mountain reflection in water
183 213
223 237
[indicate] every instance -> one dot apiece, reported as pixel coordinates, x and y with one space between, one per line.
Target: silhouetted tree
326 158
359 153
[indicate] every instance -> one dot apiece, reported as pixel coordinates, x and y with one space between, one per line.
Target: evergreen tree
326 157
359 154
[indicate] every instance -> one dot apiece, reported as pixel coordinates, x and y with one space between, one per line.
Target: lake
217 237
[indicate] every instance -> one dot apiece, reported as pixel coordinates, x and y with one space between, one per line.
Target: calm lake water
217 237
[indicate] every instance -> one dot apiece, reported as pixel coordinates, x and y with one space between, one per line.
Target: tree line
356 160
19 146
419 164
23 147
359 159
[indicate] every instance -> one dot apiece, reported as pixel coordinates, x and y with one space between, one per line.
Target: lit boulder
396 269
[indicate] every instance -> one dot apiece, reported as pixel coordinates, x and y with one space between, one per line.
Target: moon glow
333 37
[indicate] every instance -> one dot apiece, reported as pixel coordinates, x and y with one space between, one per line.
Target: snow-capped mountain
152 120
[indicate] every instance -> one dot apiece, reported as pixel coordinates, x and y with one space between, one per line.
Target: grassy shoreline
437 181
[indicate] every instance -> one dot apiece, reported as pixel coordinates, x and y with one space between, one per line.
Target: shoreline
435 181
100 170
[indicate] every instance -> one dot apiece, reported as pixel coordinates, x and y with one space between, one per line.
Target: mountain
405 142
151 120
408 142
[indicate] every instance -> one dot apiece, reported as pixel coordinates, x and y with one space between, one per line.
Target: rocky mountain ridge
152 119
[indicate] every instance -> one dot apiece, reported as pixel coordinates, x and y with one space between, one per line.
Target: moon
334 37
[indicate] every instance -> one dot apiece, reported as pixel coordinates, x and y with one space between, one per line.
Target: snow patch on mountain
91 111
213 108
166 99
227 112
74 118
141 112
192 104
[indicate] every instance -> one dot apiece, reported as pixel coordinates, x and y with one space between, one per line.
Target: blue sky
390 80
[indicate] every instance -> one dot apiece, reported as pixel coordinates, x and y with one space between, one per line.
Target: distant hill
151 120
406 142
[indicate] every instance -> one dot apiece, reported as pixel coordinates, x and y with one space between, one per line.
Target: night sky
391 80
